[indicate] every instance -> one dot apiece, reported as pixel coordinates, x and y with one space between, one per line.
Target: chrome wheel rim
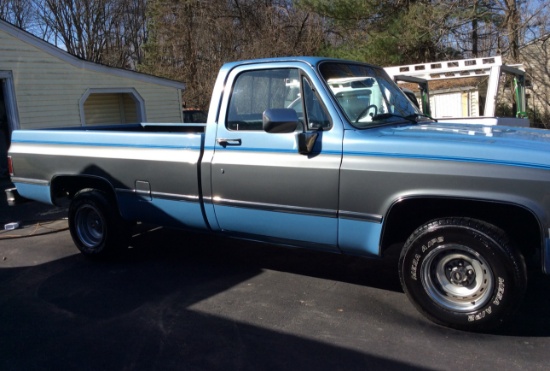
90 226
457 278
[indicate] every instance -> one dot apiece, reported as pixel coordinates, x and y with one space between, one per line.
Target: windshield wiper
384 116
414 118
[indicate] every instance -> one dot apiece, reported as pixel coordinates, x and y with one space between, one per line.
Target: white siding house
42 86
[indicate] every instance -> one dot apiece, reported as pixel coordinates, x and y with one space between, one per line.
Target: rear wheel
462 273
96 227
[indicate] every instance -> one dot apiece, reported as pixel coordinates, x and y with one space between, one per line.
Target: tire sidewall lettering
430 240
496 300
420 254
499 295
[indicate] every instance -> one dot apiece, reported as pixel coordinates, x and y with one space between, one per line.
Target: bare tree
512 24
190 39
127 35
475 28
78 24
535 55
17 12
102 31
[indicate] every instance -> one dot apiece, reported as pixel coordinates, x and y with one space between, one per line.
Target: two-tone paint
256 185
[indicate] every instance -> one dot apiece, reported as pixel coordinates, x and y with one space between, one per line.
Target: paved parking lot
188 301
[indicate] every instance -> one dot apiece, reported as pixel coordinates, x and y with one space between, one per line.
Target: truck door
261 186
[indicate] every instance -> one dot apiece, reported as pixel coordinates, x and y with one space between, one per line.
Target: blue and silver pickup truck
324 154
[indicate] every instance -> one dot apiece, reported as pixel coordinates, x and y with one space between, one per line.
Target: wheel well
68 186
404 217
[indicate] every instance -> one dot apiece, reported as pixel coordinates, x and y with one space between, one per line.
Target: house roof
53 50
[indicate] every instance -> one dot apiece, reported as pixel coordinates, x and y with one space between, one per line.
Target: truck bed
154 164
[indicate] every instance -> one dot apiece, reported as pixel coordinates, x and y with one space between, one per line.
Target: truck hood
459 142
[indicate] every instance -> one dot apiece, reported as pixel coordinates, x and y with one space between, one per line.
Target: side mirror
280 120
306 141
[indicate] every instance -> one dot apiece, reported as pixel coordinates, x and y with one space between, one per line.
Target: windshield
366 95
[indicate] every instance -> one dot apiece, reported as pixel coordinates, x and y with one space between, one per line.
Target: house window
111 107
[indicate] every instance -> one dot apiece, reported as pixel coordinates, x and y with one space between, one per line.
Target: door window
317 118
256 91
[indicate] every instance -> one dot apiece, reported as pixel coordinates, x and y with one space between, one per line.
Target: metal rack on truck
468 102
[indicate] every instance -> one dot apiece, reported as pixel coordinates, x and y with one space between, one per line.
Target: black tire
462 273
96 227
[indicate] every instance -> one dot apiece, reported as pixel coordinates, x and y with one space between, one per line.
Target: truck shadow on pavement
148 311
531 320
144 312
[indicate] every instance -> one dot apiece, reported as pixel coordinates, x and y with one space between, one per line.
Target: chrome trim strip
360 216
166 196
177 197
297 210
275 207
330 213
30 181
124 190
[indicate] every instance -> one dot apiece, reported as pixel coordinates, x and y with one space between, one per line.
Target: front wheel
462 273
96 226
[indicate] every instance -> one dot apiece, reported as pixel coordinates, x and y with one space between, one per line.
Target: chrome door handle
229 142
